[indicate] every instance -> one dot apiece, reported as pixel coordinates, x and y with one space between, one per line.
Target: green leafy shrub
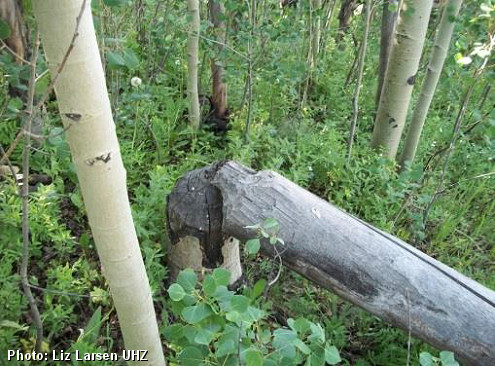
217 326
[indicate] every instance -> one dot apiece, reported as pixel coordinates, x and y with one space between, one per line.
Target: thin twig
63 293
4 45
11 168
362 58
25 203
13 145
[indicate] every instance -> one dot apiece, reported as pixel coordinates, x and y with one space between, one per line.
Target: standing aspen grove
85 108
433 72
401 75
335 207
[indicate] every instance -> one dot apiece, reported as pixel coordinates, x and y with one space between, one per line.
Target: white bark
85 107
192 63
432 77
401 74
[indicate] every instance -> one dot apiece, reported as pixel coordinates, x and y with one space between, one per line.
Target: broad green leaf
115 60
131 61
191 356
174 332
332 355
187 278
209 285
317 357
239 303
221 276
223 296
270 224
253 357
253 314
283 342
447 358
176 292
426 359
204 336
317 332
253 246
225 347
300 325
190 332
194 314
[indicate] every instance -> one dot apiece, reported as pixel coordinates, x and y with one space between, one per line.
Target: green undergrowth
306 145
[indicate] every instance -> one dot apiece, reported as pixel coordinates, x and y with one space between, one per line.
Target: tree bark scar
411 80
76 117
103 158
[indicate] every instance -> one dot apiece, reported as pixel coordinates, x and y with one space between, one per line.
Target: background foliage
146 39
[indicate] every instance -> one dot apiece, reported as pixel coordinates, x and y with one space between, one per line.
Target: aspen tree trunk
219 87
432 77
192 64
387 31
401 74
85 108
11 13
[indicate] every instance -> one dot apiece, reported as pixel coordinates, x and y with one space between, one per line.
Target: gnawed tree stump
197 238
341 253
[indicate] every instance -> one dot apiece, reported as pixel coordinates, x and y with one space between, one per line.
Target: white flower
136 82
177 62
464 60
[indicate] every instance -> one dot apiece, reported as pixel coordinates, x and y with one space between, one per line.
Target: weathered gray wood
362 264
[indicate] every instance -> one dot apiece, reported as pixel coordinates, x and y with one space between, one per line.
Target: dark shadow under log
339 252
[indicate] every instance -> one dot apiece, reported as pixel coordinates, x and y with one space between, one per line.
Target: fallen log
368 267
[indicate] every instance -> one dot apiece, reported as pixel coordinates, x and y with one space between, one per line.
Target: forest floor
307 145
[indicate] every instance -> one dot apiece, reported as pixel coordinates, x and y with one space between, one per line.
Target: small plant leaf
332 355
187 278
194 314
239 303
270 224
191 356
225 347
253 357
176 292
426 359
221 276
253 246
447 358
209 285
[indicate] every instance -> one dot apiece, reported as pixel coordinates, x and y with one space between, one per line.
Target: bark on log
341 253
